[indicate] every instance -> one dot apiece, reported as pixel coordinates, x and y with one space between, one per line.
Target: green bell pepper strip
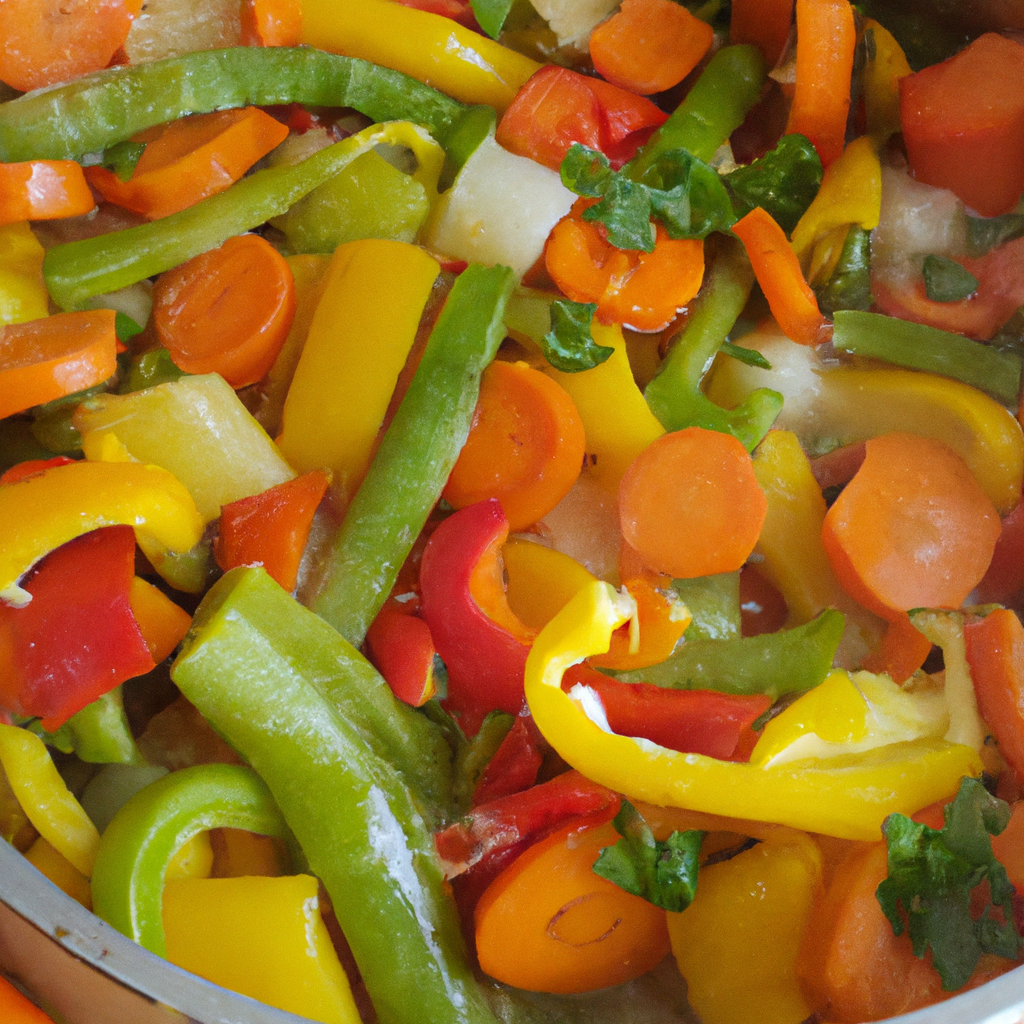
927 348
141 840
790 661
77 271
714 605
417 453
96 111
100 733
674 395
849 287
349 810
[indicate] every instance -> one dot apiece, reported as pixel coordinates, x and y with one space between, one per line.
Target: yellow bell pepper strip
45 511
361 334
429 47
846 796
540 581
143 837
263 937
194 859
851 193
886 64
23 294
55 813
59 870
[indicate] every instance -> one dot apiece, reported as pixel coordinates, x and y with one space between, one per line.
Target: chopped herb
122 158
570 347
625 210
986 233
849 287
750 356
947 281
491 14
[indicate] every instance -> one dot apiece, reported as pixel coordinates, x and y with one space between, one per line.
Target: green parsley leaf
570 347
750 356
491 14
931 875
663 873
586 171
625 211
986 233
693 202
947 281
122 158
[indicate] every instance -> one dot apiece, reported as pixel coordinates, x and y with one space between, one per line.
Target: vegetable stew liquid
512 514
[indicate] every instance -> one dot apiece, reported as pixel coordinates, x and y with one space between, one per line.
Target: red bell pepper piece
514 766
271 528
457 10
1005 574
558 107
403 650
77 638
480 640
23 470
963 124
690 721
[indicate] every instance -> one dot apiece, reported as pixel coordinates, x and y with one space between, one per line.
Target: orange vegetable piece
44 359
43 190
662 622
648 46
690 504
525 446
162 623
826 39
190 159
227 311
403 650
762 607
912 529
16 1009
764 23
32 467
901 653
271 22
50 41
547 923
778 272
271 528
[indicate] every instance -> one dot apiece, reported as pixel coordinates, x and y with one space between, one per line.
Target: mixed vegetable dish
510 511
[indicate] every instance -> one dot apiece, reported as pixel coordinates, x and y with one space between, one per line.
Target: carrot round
50 41
43 190
525 446
778 272
648 46
547 923
690 504
227 311
44 359
912 529
189 159
271 23
16 1009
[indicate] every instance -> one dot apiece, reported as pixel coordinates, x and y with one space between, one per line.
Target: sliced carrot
778 272
271 528
189 159
548 923
525 445
271 22
50 41
901 653
648 46
16 1009
764 23
912 529
44 359
162 622
662 620
43 190
227 311
690 504
826 39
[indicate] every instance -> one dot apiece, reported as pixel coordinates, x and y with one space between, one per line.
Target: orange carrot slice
763 23
50 41
43 190
648 46
778 272
227 311
44 359
271 22
912 529
190 159
525 446
690 504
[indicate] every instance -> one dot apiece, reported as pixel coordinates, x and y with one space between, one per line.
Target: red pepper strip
480 640
458 10
1005 574
403 650
777 268
558 107
995 654
271 528
514 766
690 721
901 653
32 467
77 638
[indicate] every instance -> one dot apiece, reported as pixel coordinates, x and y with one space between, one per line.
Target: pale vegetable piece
196 427
573 20
585 526
500 210
168 28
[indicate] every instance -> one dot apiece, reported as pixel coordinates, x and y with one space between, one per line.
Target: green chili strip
352 815
849 287
417 454
142 838
100 733
675 396
927 348
95 112
790 661
80 270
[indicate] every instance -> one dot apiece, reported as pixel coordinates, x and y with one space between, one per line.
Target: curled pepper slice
847 795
